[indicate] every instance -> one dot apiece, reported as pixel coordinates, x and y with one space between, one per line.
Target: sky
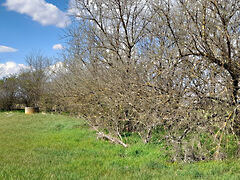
28 26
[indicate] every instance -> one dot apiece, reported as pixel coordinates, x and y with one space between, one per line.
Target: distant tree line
28 88
166 71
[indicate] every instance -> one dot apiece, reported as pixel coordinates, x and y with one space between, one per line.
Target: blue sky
30 25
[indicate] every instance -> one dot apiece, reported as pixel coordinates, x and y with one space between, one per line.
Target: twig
108 137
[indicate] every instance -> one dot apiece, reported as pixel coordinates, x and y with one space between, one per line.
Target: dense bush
140 66
8 93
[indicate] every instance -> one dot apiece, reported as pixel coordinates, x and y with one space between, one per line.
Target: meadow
48 146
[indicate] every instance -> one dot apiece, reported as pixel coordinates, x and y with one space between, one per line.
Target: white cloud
57 47
4 49
40 11
57 67
10 67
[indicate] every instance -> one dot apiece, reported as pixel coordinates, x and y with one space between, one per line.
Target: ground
45 146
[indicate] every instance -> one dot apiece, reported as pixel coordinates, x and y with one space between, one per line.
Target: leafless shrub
137 66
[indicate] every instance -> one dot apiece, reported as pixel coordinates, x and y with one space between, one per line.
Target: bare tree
207 30
32 81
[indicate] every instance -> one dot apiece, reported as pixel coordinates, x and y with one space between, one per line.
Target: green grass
60 147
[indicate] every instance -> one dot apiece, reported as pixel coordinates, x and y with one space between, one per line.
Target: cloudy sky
28 26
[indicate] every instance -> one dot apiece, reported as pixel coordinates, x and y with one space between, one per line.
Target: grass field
44 146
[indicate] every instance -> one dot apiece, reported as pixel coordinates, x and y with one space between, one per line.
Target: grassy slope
58 147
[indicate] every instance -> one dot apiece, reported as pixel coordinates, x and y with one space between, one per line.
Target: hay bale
29 110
